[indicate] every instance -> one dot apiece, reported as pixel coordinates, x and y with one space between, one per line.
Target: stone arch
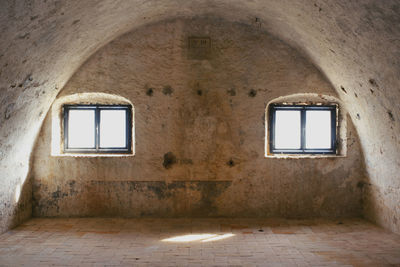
82 98
311 99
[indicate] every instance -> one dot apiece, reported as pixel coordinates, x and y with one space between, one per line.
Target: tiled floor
198 242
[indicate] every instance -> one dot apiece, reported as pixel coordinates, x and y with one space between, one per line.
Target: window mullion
97 128
303 129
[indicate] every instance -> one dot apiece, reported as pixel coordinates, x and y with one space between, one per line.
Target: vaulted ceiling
355 44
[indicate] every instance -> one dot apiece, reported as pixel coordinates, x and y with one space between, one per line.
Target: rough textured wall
354 43
199 132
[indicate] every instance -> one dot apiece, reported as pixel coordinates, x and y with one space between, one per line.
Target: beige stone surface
211 121
198 242
354 44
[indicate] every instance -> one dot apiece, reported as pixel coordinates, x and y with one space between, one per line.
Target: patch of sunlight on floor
197 237
218 237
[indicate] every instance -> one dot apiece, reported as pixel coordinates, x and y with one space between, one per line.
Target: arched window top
92 124
305 125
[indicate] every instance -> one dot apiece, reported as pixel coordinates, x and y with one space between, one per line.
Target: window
302 129
97 128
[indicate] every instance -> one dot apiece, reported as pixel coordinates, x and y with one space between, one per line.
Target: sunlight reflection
218 237
198 237
188 238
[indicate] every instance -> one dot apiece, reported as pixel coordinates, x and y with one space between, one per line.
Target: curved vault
355 44
200 136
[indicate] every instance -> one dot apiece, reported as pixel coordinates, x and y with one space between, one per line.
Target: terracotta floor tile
198 242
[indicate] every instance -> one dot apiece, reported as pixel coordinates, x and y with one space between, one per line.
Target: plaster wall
355 44
200 129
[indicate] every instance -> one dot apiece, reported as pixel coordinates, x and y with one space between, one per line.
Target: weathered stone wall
353 43
199 132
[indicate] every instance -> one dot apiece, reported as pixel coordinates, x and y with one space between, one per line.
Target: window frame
333 108
97 149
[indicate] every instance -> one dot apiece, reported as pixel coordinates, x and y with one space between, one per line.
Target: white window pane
318 129
287 129
112 128
81 129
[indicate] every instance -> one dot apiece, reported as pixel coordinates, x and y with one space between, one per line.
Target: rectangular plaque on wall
199 47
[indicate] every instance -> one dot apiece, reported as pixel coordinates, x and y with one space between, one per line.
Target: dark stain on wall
149 92
361 184
319 8
169 160
230 163
391 117
72 189
373 82
231 92
252 93
106 198
210 191
159 189
167 90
